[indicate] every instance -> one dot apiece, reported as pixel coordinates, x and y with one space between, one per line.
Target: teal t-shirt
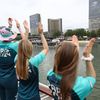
8 51
29 89
83 85
13 45
38 59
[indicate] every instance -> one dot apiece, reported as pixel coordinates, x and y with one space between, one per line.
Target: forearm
10 22
26 26
21 33
44 42
26 33
90 69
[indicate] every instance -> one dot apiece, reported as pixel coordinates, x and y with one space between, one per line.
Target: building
94 14
54 25
34 19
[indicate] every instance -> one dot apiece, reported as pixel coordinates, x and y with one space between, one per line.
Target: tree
56 34
93 33
80 32
69 33
88 33
98 32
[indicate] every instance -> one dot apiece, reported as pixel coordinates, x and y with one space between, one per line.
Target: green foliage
79 32
82 32
56 34
69 32
88 33
93 33
98 32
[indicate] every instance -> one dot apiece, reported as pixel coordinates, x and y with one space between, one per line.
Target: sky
74 13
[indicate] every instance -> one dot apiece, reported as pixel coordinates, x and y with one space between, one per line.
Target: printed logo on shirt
55 91
4 52
29 70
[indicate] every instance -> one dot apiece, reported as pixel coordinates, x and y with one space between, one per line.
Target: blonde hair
24 53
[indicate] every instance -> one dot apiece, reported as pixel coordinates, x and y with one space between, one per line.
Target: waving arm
44 42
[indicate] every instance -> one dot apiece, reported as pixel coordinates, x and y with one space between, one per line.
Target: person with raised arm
27 66
63 80
8 51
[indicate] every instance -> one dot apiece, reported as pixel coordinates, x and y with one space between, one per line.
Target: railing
45 90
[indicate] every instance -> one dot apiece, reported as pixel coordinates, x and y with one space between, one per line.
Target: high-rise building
54 25
34 19
94 14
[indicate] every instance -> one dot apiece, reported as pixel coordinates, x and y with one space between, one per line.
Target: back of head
24 53
65 64
25 48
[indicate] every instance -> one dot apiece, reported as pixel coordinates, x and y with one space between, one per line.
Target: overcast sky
74 13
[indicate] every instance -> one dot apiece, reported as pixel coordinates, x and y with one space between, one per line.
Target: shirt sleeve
14 45
84 86
37 59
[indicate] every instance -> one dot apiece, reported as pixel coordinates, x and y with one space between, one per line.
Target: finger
75 40
25 22
91 43
88 48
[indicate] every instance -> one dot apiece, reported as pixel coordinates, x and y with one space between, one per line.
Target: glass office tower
94 14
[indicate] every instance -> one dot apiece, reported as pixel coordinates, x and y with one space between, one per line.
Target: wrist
41 34
19 29
88 59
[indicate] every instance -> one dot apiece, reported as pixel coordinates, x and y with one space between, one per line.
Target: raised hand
26 26
75 41
88 48
40 28
10 22
17 24
19 28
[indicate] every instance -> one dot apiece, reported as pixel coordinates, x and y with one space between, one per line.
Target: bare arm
10 22
19 28
75 41
89 65
90 69
44 42
26 26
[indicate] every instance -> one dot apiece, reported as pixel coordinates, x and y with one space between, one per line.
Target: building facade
34 19
94 14
54 25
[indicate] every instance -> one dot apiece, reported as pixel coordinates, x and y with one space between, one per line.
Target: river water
48 64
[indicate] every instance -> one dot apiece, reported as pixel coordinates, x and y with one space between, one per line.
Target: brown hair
24 53
65 64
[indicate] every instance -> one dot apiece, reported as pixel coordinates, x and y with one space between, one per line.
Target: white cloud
74 13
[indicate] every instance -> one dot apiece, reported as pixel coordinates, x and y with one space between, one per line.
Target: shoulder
50 72
39 55
36 60
83 80
83 86
14 45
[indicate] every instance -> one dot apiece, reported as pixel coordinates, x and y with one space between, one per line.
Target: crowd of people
19 75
